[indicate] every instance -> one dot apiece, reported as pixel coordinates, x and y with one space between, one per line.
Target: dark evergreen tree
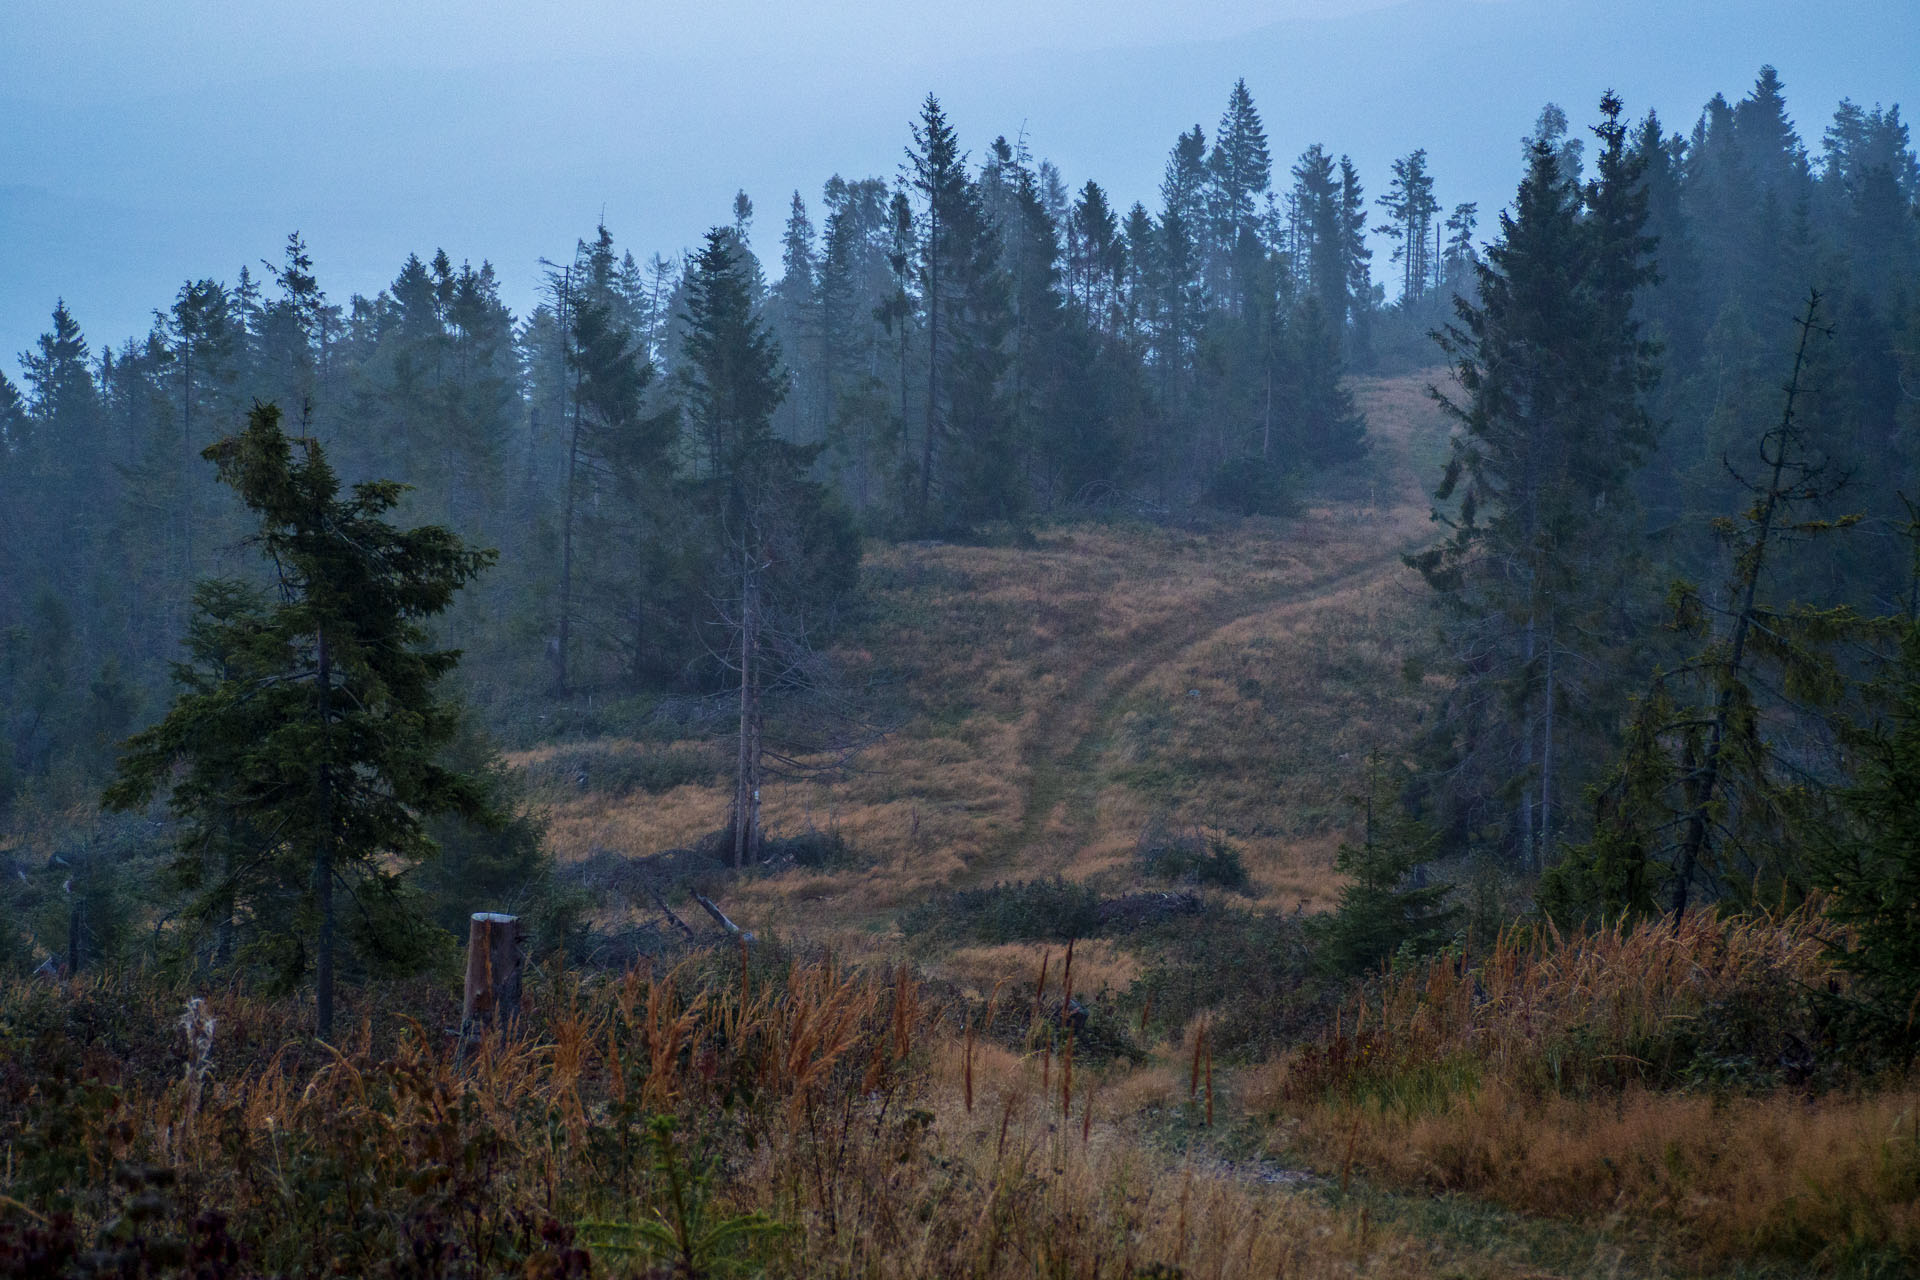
1389 907
1548 433
780 550
967 435
328 736
1871 871
1410 206
1240 172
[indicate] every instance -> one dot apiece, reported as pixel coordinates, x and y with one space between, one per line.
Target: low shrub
1728 1002
1252 487
813 849
1250 975
1191 859
1023 911
622 771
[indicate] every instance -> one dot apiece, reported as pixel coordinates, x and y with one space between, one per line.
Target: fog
147 144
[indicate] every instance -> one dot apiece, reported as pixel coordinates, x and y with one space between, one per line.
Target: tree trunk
746 793
560 673
933 358
1266 418
1527 728
493 972
1546 757
223 932
323 850
74 928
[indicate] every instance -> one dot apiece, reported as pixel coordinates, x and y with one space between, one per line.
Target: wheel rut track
1062 756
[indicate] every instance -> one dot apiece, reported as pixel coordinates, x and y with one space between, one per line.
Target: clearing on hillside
1056 702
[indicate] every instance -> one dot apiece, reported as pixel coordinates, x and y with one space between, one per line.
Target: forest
1469 700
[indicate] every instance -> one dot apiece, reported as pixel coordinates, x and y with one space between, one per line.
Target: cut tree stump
493 972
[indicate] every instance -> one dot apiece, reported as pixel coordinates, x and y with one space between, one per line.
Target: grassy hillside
1050 704
893 1080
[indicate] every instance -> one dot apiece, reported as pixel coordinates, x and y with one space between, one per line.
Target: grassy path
1063 757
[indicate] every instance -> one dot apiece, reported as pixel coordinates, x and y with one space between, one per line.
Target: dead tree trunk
746 794
493 972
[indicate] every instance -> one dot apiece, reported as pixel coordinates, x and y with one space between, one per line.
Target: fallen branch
720 916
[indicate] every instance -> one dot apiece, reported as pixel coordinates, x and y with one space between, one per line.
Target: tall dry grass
876 1137
1667 1074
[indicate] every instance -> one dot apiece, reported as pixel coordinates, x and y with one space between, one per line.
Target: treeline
966 347
1678 570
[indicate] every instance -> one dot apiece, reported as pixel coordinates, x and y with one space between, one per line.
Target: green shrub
1252 973
1192 859
813 850
1251 487
1024 911
1390 908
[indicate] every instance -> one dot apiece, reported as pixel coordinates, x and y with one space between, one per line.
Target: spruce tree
968 436
1549 429
1240 172
779 550
326 735
1388 907
1703 799
1871 871
1410 207
937 169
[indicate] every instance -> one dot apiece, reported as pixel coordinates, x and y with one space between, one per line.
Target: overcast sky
143 143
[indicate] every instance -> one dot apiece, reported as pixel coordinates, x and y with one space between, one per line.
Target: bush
1390 909
813 850
1251 973
1026 911
623 771
1191 859
1251 487
1723 1002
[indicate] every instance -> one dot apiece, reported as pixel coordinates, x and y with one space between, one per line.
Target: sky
144 144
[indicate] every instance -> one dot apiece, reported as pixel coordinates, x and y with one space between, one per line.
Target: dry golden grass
1544 1078
883 1146
1740 1176
1098 966
1044 717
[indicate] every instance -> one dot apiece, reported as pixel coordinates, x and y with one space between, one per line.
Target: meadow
1044 1003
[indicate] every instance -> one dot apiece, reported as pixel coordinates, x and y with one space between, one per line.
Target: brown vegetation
1653 1073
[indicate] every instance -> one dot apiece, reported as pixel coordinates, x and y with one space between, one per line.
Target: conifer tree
794 313
1357 260
1387 907
200 328
1240 171
1099 257
325 737
937 169
1549 430
1871 871
1701 800
1410 207
967 434
779 547
616 458
1319 241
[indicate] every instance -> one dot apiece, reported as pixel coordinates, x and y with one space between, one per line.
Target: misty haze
868 640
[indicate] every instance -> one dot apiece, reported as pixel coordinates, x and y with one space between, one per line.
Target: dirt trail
1063 755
